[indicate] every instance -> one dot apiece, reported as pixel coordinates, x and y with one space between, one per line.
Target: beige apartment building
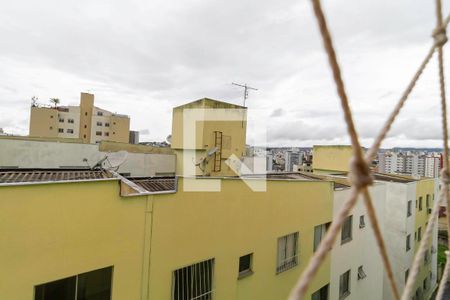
86 122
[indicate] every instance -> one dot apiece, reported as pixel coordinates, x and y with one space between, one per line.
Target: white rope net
360 174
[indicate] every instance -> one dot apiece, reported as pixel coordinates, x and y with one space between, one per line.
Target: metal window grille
361 273
362 222
245 263
194 282
287 252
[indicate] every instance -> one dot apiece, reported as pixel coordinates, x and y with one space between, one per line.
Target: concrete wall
44 154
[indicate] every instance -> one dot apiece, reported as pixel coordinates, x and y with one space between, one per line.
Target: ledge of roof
110 146
41 139
140 186
209 103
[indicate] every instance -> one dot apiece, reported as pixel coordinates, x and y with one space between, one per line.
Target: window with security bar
194 282
287 257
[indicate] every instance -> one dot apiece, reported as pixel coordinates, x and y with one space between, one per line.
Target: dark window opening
94 285
245 265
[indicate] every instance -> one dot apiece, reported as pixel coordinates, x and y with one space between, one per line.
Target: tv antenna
246 89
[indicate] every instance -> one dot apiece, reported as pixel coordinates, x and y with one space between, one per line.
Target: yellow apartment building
208 132
155 240
86 122
331 158
94 233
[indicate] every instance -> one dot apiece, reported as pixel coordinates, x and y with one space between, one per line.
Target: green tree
55 101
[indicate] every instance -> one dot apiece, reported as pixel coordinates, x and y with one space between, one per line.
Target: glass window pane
95 285
63 289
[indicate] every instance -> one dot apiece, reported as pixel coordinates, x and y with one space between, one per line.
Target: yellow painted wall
43 122
423 187
120 129
233 130
189 227
52 231
331 158
86 111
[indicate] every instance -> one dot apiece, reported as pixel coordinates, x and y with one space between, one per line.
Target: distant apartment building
134 137
410 163
403 206
291 159
432 166
85 122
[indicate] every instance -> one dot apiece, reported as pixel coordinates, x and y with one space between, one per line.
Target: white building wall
398 226
44 154
360 251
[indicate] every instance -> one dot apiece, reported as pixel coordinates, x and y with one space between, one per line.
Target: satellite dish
169 139
115 159
202 161
212 151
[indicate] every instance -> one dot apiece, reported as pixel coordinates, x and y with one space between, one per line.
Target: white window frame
287 252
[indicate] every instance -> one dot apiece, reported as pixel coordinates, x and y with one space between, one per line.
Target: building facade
100 234
86 122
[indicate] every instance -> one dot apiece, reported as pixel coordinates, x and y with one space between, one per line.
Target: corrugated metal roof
44 175
155 184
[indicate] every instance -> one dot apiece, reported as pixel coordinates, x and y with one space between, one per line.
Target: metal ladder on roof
218 154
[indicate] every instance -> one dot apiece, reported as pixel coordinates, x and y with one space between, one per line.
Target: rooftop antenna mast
246 89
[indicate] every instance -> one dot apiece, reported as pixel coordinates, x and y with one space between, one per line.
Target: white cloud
142 58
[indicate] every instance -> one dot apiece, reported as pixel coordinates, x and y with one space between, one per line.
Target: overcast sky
142 58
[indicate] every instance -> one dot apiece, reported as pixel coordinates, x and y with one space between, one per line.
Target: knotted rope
359 175
359 168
